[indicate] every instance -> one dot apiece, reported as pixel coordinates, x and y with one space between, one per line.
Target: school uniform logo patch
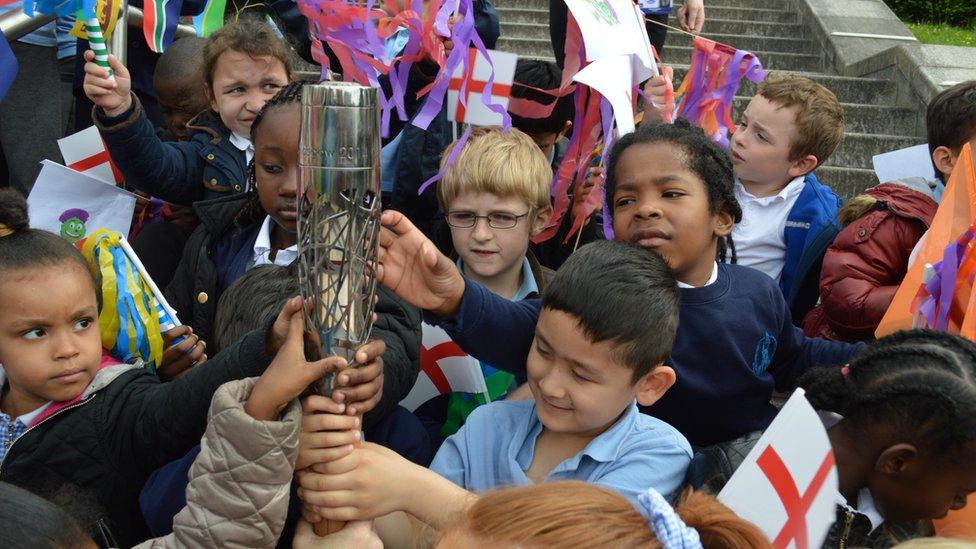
764 353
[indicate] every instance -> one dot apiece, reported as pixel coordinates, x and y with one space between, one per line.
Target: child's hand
111 95
360 388
178 359
183 216
691 16
594 176
370 482
659 91
279 330
358 534
327 434
289 373
412 267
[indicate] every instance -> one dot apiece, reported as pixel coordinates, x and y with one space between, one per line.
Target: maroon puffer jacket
868 260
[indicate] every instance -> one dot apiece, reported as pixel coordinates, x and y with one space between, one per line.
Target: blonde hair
574 513
503 164
819 116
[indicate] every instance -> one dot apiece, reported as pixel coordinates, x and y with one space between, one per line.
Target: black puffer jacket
126 426
219 239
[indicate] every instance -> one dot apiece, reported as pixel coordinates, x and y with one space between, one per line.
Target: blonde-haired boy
789 218
495 197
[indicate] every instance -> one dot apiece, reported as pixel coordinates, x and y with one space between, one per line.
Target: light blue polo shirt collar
528 286
604 448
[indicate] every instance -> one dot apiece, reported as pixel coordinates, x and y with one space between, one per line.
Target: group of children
626 374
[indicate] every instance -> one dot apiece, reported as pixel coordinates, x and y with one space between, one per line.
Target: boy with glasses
495 197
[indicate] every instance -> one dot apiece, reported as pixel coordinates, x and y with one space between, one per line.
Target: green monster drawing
603 12
73 224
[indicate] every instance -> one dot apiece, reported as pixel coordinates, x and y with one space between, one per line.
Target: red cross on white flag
85 152
476 73
787 485
444 368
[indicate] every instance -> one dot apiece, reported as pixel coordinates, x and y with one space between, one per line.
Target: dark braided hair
288 95
919 382
710 163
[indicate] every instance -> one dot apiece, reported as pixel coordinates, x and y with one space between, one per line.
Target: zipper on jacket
848 522
42 422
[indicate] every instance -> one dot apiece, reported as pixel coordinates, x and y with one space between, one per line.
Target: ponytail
573 513
717 526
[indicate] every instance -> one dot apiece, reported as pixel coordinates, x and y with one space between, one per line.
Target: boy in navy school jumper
789 218
606 325
670 190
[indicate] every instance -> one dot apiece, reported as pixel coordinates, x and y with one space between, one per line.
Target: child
244 65
571 513
789 218
901 418
160 230
593 358
867 262
549 133
670 190
71 414
238 488
239 232
495 197
790 127
179 84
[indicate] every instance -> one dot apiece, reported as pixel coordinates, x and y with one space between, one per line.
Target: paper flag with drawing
74 204
787 485
472 80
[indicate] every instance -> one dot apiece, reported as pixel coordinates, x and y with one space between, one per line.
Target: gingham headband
670 530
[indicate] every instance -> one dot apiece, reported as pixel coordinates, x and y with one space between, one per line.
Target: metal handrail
15 23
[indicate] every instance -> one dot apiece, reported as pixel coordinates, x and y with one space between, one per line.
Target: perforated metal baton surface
338 216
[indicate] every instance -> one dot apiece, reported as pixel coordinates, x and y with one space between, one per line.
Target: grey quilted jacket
239 484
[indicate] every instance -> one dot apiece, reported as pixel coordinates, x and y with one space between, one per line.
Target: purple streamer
461 37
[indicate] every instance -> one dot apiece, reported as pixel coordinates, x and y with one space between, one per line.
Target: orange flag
956 213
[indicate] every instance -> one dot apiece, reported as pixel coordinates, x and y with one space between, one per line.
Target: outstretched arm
476 319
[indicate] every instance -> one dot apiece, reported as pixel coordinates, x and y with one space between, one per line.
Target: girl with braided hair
901 418
241 231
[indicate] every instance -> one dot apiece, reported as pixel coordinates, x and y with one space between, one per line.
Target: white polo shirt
262 248
760 238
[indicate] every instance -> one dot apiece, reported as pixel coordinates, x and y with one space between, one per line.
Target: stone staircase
875 121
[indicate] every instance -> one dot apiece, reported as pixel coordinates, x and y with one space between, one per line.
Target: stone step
540 15
848 89
856 149
523 15
771 60
534 48
858 118
760 28
847 182
767 4
749 14
518 30
747 42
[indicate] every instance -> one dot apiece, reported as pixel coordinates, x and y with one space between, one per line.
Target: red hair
563 514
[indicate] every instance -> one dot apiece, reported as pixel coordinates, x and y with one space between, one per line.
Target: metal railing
15 24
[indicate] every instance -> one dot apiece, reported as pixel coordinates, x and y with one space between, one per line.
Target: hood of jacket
912 199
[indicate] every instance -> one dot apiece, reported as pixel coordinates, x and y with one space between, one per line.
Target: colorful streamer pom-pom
359 37
129 321
706 94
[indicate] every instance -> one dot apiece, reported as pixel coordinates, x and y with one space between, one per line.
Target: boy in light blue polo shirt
607 324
